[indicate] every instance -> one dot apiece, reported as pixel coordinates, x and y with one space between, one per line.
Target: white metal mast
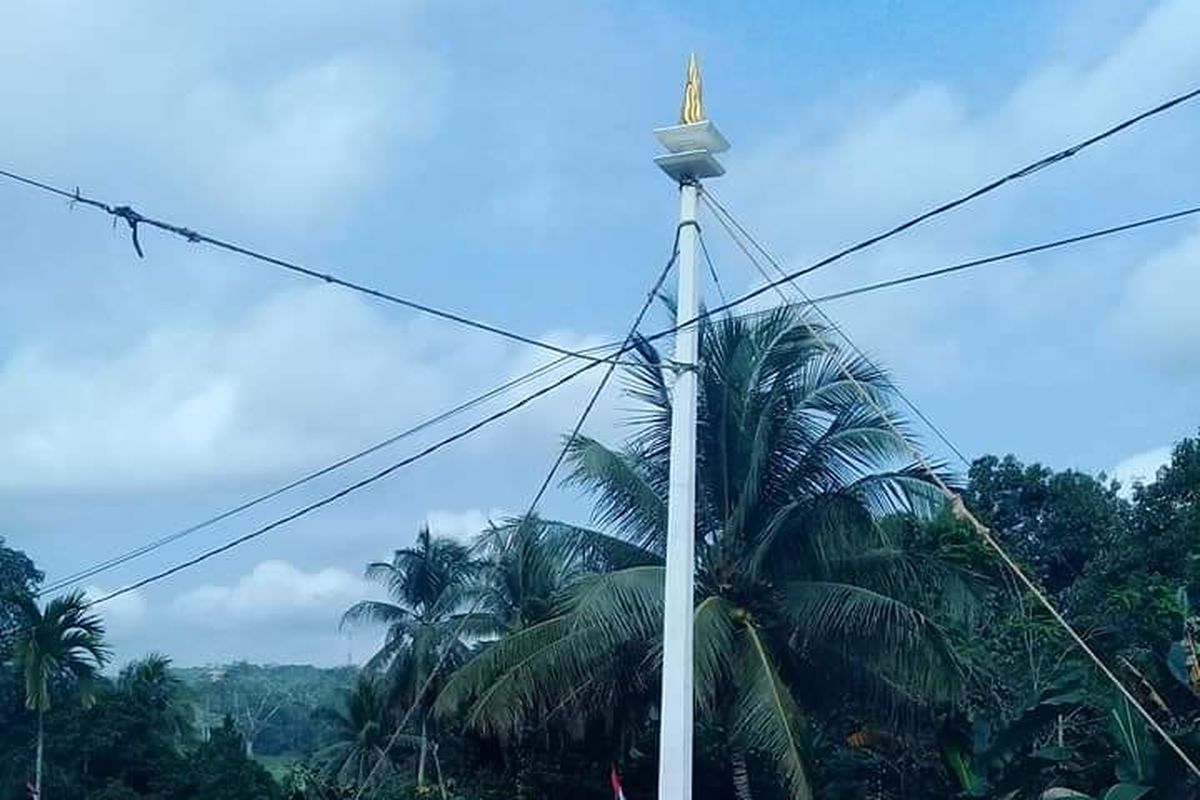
689 159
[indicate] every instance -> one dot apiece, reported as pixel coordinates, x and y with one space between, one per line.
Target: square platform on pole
690 165
694 136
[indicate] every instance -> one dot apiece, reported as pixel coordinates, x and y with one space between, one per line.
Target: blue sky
495 159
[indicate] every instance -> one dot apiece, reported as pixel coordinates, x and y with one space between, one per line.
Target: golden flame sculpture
692 110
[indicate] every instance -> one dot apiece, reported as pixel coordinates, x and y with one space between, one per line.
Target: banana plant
999 762
1136 768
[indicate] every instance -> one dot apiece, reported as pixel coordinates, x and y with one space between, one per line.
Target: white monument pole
691 145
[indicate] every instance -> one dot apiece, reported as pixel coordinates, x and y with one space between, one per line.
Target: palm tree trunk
437 765
41 749
424 753
741 775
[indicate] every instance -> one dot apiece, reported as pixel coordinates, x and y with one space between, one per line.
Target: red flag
618 794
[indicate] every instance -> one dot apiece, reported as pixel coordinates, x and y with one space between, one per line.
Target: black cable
134 219
943 208
1008 255
331 498
1024 251
354 487
612 363
712 268
156 544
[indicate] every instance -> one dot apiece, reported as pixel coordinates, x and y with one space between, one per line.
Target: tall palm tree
426 623
801 602
65 639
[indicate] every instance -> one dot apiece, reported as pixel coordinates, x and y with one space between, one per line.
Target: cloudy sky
494 158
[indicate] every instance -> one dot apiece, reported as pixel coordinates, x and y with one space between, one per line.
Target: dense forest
854 639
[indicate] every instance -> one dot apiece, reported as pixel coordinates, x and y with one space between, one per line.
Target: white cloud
122 614
307 376
462 525
188 96
1157 316
274 591
878 162
1141 468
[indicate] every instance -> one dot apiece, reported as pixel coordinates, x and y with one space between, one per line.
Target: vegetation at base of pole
853 640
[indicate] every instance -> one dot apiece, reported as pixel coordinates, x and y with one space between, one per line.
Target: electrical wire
709 197
1011 254
134 219
732 228
612 364
149 547
987 188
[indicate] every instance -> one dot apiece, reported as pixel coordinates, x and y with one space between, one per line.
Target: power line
712 268
1024 251
341 493
134 219
124 558
1007 255
612 363
961 266
626 345
734 228
1023 172
348 490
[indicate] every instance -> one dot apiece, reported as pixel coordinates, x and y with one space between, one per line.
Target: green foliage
274 707
220 769
852 638
803 606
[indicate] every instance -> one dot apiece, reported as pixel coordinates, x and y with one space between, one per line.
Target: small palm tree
361 726
801 602
525 566
150 685
65 639
426 624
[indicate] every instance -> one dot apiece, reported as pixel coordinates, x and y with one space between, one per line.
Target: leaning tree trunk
424 752
41 749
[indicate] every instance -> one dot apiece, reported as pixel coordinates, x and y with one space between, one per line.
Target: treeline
853 638
274 707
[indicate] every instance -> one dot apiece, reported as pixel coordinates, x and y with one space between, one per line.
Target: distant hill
273 706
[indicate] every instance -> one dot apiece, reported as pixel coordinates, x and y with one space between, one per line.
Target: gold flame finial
692 110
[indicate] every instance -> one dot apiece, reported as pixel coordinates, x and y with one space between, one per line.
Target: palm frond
376 612
625 500
766 716
715 633
892 635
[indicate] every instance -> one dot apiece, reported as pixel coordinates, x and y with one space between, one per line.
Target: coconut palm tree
63 640
525 564
801 602
427 622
